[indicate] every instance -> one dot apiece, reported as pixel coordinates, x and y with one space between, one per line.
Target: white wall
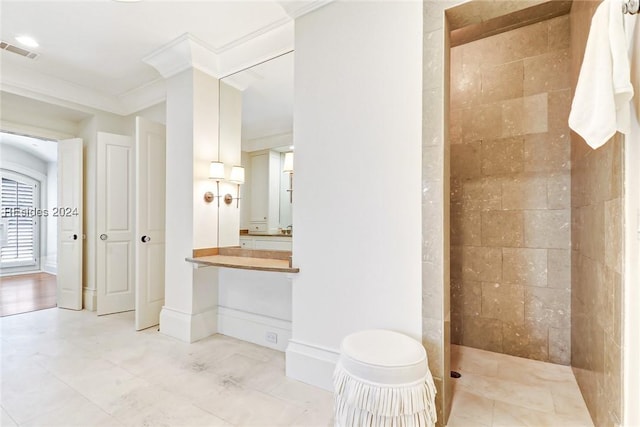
357 215
632 250
49 261
252 303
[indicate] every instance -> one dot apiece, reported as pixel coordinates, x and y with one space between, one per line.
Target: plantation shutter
18 199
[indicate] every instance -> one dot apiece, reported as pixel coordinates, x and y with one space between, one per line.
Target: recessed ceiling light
27 41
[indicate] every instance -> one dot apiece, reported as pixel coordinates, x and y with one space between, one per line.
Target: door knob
75 237
145 239
103 237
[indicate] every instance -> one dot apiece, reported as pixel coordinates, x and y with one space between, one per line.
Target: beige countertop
277 261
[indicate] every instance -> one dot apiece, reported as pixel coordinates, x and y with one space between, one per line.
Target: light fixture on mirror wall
216 171
237 177
288 168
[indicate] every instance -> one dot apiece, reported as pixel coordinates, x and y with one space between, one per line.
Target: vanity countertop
277 261
266 235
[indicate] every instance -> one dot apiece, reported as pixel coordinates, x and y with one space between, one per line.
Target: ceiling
45 150
91 51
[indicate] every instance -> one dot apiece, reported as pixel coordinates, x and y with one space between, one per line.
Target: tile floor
66 368
500 390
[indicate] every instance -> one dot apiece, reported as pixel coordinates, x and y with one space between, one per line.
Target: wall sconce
216 171
288 168
237 177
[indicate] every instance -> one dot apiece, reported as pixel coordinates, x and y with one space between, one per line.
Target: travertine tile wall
511 192
597 202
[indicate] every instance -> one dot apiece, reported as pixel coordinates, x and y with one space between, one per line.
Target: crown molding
186 51
183 53
297 8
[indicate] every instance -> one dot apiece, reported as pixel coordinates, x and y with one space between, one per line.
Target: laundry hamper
382 379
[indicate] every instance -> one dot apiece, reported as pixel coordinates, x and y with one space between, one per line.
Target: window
19 221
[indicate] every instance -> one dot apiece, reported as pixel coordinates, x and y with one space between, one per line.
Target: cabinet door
259 187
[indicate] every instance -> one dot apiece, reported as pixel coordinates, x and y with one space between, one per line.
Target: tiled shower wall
597 203
511 192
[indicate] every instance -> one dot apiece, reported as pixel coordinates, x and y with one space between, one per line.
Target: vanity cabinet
271 243
265 192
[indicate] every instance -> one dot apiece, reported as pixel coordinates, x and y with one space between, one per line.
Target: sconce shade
216 171
288 162
237 175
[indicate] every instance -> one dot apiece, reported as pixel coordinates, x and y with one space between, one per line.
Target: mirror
266 135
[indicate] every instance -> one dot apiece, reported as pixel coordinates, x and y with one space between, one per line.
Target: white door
115 247
150 221
69 224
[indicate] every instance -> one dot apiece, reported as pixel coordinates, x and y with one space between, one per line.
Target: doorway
28 232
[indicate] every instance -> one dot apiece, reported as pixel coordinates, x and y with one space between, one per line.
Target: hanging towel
601 104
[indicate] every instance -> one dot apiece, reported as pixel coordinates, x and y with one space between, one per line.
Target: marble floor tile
76 412
60 367
507 391
6 420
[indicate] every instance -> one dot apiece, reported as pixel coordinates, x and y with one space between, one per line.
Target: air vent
15 49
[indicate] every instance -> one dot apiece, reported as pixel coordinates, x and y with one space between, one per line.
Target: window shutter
19 249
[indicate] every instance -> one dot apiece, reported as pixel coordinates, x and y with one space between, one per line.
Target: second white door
115 251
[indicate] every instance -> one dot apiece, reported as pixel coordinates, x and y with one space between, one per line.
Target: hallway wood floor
27 292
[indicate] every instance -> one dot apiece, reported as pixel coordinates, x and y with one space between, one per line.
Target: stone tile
511 46
512 116
432 339
516 393
559 190
502 81
613 234
471 298
455 126
546 152
613 380
466 160
457 256
559 107
482 194
560 345
535 114
432 163
466 228
559 33
456 328
470 409
547 229
431 292
524 266
559 268
482 122
524 192
525 341
432 48
548 72
503 302
465 86
547 307
482 333
508 415
481 264
433 117
502 228
502 156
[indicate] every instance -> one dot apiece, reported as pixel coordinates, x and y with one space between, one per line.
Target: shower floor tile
500 390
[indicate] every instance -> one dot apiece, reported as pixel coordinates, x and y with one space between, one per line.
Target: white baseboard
253 327
51 268
311 364
188 327
89 299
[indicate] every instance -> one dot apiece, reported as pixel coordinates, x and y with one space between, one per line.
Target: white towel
601 103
